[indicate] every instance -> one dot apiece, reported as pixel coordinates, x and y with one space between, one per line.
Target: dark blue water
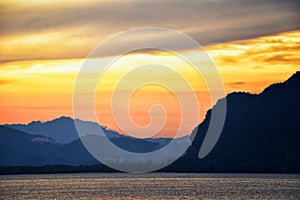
150 186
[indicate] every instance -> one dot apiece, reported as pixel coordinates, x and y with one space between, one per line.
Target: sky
43 45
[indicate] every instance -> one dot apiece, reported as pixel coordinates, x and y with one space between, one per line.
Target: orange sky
42 89
43 44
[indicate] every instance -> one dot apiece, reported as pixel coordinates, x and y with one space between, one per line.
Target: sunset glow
42 89
45 43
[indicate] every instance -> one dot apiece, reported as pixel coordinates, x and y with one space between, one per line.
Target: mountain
261 134
20 148
62 129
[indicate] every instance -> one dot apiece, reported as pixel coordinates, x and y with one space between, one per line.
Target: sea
150 186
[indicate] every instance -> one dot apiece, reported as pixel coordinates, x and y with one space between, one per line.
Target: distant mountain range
62 129
57 142
20 148
261 134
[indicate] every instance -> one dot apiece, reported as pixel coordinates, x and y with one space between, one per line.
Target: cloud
237 83
73 29
256 62
282 49
199 16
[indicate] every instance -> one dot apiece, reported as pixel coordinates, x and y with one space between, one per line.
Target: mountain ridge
49 129
61 129
261 134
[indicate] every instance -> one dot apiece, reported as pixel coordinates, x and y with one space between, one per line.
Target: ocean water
150 186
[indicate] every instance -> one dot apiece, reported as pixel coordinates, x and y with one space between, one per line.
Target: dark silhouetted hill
261 134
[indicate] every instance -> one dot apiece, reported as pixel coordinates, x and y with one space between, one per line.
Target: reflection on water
150 186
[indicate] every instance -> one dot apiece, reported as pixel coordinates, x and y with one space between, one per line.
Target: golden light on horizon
163 66
42 89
